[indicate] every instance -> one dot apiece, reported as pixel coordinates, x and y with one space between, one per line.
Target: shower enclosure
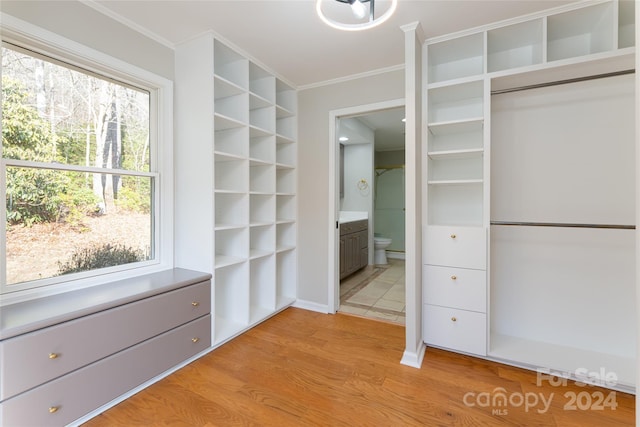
389 218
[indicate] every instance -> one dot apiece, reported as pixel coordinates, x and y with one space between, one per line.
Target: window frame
44 42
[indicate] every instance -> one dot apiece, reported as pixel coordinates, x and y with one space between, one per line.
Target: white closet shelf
260 193
223 156
284 166
456 154
258 101
282 139
560 358
227 191
285 194
259 162
283 301
285 221
456 82
259 253
224 88
219 227
282 112
256 131
456 126
223 122
284 248
259 313
455 181
571 68
226 261
226 329
260 223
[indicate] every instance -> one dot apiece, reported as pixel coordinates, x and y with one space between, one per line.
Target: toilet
380 244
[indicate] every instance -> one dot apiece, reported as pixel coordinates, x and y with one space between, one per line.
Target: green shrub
32 196
100 256
131 200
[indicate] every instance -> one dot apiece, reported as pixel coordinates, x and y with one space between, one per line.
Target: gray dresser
64 356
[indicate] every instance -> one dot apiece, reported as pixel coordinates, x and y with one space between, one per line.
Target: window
80 172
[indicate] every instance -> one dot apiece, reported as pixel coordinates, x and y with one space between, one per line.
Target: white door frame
333 287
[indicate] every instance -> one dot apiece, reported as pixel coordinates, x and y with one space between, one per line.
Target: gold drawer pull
453 236
453 319
53 409
454 277
195 303
195 340
53 355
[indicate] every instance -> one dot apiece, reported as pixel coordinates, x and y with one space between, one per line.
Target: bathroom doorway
370 180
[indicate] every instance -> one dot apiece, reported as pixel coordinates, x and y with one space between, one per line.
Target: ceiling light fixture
357 7
359 11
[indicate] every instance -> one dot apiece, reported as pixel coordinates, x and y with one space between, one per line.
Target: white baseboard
414 359
311 306
395 255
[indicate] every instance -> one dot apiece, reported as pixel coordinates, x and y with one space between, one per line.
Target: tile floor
375 291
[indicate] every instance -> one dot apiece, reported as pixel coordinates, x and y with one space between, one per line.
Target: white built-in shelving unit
461 72
236 186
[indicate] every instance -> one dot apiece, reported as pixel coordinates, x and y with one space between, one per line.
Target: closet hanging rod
564 224
562 82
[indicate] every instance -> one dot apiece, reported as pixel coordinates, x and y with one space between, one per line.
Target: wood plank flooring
302 368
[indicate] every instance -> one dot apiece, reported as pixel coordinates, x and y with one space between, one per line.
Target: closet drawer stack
455 289
56 369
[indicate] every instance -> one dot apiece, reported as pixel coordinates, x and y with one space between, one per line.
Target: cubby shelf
224 88
226 329
456 126
456 58
515 46
580 32
456 154
284 248
236 194
573 33
259 253
223 261
223 122
454 181
281 139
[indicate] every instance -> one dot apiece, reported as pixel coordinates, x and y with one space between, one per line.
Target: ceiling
387 125
288 37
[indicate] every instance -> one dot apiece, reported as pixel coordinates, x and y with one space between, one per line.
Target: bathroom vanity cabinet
354 246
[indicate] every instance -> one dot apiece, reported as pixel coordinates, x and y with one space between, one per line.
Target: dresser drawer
455 287
37 357
78 393
464 247
459 330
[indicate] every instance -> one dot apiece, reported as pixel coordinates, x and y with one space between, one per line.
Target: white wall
314 106
80 23
358 165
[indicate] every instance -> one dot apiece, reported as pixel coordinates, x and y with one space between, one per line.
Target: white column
415 347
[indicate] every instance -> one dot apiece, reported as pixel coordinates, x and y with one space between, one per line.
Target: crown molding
376 72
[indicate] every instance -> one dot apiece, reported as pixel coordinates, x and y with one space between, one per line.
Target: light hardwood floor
302 368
